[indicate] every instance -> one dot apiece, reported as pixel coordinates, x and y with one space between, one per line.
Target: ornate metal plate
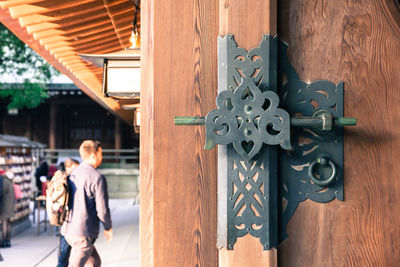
251 198
302 99
248 102
247 114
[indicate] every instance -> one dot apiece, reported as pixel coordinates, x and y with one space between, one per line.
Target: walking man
65 249
88 207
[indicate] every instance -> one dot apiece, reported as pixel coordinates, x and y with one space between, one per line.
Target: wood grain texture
248 20
146 222
248 252
354 42
178 178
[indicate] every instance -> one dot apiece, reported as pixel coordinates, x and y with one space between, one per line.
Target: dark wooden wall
350 41
77 117
178 178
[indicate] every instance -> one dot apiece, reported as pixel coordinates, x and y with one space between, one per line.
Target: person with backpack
88 207
57 205
7 207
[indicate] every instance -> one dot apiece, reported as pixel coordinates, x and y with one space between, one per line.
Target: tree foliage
30 96
18 59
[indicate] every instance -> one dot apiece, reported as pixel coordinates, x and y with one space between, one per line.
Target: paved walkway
29 249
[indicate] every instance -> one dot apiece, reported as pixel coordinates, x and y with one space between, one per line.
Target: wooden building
356 42
65 119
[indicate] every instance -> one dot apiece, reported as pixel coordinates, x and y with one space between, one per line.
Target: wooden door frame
179 78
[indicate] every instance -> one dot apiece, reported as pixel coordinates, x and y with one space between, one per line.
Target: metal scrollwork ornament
247 116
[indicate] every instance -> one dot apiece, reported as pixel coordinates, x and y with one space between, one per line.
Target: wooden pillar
248 20
118 137
53 123
178 177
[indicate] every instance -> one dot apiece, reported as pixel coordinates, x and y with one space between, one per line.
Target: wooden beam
52 124
11 3
95 43
57 15
113 23
90 84
97 47
61 49
44 7
76 65
122 10
87 24
177 197
118 134
56 45
123 25
64 24
94 36
89 30
62 54
105 50
69 60
104 35
248 20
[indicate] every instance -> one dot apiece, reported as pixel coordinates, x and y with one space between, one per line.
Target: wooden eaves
59 30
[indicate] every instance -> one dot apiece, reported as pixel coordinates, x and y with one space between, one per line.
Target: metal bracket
259 189
310 144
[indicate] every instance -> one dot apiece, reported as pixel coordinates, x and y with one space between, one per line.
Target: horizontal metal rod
297 121
342 121
305 121
189 120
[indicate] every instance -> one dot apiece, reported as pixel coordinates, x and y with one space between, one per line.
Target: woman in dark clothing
7 208
41 170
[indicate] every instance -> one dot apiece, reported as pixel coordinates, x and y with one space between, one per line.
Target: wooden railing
114 158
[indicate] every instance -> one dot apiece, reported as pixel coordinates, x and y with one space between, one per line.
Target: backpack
57 196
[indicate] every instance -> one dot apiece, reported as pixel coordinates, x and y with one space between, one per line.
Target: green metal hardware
258 108
315 121
189 120
323 162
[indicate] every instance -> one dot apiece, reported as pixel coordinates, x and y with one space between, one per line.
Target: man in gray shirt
88 207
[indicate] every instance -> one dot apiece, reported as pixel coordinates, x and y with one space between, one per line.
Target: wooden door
357 42
354 41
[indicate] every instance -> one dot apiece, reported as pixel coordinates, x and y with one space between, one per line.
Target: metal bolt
247 132
323 161
248 109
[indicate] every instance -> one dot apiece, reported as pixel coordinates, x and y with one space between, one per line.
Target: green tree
18 59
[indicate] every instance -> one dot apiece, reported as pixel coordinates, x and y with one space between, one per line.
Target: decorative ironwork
247 115
247 118
250 199
310 144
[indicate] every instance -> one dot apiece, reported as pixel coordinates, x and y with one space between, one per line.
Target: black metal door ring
324 162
